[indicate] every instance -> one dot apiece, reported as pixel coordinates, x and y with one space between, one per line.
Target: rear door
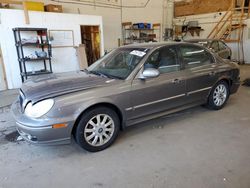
200 69
154 95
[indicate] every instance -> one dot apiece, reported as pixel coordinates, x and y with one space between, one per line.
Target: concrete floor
7 97
196 148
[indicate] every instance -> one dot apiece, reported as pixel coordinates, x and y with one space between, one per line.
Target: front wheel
218 96
97 129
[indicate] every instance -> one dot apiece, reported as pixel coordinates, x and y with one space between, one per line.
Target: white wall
111 17
152 13
111 30
111 22
64 59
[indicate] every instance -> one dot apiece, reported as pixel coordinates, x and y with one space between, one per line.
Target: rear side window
194 56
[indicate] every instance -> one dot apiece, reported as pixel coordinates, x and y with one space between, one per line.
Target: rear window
194 56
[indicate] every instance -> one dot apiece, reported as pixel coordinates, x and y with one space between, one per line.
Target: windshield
119 63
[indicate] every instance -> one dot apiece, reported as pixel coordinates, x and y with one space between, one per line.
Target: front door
167 91
200 70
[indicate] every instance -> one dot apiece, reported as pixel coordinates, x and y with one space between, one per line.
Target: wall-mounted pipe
100 4
168 13
168 16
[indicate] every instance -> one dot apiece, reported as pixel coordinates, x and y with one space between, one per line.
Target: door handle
176 81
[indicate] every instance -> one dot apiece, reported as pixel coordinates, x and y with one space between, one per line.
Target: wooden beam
4 71
156 25
26 13
11 2
126 24
248 13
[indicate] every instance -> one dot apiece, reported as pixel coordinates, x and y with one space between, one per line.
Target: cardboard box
36 6
82 56
53 8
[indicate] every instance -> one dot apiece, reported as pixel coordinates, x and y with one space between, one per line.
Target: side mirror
149 73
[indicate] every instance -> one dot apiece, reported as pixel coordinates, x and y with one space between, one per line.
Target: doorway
91 38
3 84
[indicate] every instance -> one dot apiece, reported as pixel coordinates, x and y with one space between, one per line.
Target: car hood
52 85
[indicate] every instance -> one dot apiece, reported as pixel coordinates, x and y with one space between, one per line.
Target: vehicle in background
217 46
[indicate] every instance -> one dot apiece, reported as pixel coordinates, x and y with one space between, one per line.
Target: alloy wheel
220 95
99 130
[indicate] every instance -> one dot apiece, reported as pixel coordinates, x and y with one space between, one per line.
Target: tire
97 129
218 96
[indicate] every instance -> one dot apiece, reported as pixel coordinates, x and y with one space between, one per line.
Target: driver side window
164 59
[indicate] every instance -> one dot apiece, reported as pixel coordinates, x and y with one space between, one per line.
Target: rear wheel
97 129
218 96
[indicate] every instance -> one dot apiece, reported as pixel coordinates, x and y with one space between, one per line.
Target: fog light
27 136
32 138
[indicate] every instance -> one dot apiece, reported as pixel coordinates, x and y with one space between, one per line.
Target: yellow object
36 6
58 126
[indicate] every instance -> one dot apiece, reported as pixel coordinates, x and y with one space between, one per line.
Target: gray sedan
129 85
216 46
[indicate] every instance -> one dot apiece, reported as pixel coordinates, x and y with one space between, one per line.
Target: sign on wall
61 38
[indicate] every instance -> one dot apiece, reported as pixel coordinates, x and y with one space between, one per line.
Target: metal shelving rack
42 44
129 32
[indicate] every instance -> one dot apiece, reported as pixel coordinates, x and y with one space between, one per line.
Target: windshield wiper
114 77
98 73
85 70
105 75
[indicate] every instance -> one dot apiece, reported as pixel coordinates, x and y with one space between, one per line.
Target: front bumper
40 131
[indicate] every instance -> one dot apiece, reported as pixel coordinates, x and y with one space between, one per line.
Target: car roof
152 44
201 40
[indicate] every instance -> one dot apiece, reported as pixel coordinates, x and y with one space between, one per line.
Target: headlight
38 109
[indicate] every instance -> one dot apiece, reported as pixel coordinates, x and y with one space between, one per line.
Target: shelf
35 59
194 30
44 46
140 39
35 73
145 29
29 29
32 44
147 32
